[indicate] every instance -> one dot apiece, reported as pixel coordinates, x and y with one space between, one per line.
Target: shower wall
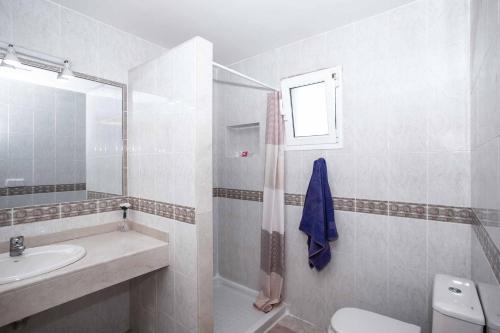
401 182
170 185
485 139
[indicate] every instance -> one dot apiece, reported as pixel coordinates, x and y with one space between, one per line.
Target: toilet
456 307
352 320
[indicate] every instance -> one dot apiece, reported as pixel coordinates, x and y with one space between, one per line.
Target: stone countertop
111 258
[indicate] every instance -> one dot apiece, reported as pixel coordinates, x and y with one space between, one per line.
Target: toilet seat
352 320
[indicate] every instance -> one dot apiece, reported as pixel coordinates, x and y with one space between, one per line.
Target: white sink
38 260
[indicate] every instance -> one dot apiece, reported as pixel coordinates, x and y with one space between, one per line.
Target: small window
312 108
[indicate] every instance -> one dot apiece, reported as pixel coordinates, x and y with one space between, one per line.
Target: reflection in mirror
60 140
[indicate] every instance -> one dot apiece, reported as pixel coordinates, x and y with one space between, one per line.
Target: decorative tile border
232 193
5 217
91 195
35 214
489 248
372 206
78 208
252 195
405 209
19 190
110 204
30 214
450 214
390 208
163 209
185 214
44 189
80 186
36 189
147 206
488 217
134 203
345 204
238 194
294 199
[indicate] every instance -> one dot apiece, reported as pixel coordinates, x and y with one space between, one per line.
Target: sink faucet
16 246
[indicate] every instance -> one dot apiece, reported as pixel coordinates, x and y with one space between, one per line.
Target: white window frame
332 77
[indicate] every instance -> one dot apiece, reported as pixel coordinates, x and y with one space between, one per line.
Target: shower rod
232 71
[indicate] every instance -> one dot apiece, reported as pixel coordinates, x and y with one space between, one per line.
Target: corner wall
170 185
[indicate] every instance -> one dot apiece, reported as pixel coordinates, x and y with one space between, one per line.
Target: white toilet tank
456 306
490 299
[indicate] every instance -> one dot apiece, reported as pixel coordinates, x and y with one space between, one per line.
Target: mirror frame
57 69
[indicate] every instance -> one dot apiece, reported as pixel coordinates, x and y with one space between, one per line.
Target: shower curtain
273 216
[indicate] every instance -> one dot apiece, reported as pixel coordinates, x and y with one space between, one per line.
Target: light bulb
66 72
11 58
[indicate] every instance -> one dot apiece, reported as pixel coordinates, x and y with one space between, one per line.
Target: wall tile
183 185
346 228
407 296
114 61
185 311
6 20
408 177
372 176
407 244
449 175
37 26
341 174
185 244
449 249
79 41
371 261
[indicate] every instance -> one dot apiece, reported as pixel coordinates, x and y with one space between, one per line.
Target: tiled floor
290 324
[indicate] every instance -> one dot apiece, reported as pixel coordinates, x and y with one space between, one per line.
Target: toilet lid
351 320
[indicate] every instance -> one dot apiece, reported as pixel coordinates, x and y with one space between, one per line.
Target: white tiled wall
166 300
406 126
93 47
379 263
170 150
405 106
485 127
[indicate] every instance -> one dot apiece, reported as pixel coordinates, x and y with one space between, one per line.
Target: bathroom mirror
60 139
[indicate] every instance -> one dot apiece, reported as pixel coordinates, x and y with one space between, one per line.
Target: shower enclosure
239 123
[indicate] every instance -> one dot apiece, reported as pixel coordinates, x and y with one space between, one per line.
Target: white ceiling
238 28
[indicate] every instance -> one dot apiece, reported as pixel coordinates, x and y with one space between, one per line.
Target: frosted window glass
309 113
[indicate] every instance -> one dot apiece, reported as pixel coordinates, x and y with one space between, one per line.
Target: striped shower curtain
272 245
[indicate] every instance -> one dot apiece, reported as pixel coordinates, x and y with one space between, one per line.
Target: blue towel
318 220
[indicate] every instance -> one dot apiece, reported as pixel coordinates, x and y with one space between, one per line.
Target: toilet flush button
455 290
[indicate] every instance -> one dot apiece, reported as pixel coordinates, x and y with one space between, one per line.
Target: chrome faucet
16 246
